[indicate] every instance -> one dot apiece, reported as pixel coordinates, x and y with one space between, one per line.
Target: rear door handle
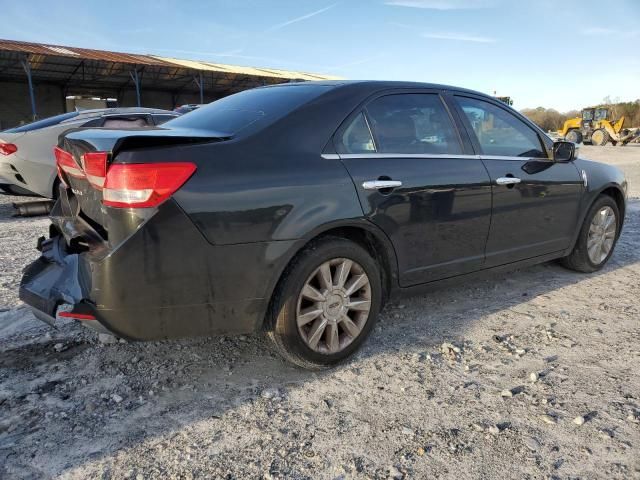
381 184
507 180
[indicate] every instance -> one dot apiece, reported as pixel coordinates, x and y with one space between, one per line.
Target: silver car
27 163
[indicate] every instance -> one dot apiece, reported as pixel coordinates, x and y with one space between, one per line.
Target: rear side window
235 112
47 122
357 138
412 123
499 132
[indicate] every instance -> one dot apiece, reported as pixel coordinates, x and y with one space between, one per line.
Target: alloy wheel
602 234
333 305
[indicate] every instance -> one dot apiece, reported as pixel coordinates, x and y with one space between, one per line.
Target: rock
270 393
106 339
506 393
394 473
531 443
533 376
579 420
407 431
494 430
59 347
633 419
477 427
447 347
420 452
548 419
116 398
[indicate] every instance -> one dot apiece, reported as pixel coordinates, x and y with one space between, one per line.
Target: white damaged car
27 163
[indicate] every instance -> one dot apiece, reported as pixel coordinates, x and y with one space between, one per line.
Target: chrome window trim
348 156
373 139
509 157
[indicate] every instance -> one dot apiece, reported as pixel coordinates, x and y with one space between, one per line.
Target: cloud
300 19
598 31
603 31
460 37
443 4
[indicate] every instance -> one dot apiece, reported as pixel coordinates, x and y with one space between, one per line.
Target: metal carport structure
143 80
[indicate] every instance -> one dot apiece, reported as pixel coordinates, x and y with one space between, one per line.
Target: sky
562 54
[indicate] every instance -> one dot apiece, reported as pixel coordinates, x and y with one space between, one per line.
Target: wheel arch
612 190
615 192
362 232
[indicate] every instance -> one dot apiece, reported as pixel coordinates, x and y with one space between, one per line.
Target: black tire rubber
281 325
578 259
605 137
574 136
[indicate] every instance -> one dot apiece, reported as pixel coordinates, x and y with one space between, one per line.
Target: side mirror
564 152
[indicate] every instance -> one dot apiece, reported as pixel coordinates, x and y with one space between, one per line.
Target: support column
200 84
136 81
27 69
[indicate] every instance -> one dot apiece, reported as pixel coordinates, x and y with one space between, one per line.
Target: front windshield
601 114
587 115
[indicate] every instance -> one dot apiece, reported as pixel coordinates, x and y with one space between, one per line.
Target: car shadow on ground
139 393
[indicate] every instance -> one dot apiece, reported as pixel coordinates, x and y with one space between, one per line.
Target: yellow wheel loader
596 127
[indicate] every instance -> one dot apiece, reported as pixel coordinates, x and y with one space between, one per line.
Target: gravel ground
532 374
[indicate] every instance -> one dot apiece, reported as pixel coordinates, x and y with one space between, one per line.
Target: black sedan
300 209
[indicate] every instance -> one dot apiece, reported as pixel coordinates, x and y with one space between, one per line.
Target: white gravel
423 399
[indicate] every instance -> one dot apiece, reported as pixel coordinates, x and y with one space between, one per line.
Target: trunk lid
81 210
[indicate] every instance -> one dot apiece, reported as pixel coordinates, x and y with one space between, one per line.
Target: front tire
574 136
326 303
597 238
600 137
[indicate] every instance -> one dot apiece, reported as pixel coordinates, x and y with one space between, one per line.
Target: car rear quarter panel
274 185
254 196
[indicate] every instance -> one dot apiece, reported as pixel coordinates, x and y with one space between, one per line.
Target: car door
535 200
418 184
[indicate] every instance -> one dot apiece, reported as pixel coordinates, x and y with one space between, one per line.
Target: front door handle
507 180
381 184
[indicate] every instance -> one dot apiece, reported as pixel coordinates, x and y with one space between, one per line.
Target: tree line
550 119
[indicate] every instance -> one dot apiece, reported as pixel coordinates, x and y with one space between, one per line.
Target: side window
500 133
356 138
412 123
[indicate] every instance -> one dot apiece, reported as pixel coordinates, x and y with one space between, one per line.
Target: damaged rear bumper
54 286
139 287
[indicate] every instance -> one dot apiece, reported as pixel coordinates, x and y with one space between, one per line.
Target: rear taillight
95 168
66 164
8 148
143 185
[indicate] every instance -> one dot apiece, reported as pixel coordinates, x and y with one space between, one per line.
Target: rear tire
574 136
306 321
581 259
600 137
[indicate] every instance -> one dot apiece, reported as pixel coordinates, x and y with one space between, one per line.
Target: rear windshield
235 112
47 122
